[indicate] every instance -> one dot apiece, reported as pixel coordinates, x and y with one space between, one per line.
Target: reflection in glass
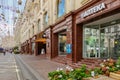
91 42
102 42
62 44
61 7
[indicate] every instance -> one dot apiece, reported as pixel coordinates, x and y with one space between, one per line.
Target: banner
68 48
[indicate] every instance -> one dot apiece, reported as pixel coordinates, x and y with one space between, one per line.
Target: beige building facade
74 29
32 21
34 15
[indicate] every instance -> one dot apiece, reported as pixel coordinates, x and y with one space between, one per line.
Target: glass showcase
101 41
62 43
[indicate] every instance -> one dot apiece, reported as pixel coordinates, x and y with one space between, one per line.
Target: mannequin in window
92 53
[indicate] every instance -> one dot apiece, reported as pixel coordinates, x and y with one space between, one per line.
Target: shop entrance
102 42
62 43
91 41
41 48
110 41
102 39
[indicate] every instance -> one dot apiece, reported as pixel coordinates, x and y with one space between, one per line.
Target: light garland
8 8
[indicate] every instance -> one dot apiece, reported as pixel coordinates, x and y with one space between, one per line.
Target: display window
62 43
101 41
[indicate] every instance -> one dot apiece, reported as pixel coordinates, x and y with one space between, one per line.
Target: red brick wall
110 6
77 35
65 24
48 43
54 45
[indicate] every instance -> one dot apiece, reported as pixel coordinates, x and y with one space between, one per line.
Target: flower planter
100 77
115 75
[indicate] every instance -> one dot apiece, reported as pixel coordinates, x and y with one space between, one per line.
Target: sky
8 14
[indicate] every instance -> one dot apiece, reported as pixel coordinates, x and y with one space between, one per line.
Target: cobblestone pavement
43 65
7 67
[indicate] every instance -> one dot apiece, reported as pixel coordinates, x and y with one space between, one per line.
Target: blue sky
9 7
8 10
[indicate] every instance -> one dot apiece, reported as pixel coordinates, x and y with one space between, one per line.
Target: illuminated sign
93 10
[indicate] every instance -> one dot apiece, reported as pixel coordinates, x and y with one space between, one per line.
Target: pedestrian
4 52
11 51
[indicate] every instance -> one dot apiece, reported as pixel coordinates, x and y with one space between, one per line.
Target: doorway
91 41
62 43
110 41
102 41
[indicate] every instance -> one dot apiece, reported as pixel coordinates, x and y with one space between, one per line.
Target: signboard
93 10
68 48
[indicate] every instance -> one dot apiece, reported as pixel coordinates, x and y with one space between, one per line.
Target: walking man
4 52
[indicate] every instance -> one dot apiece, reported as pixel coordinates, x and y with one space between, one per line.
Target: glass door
104 43
91 42
110 42
62 43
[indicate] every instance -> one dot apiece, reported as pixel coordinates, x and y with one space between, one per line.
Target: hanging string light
13 9
18 11
19 2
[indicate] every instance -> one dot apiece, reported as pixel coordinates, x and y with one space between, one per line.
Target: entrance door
110 42
91 42
102 42
62 43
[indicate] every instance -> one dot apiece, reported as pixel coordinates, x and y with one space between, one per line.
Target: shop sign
68 48
93 10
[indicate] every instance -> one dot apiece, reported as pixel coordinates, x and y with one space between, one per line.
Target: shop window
91 42
62 43
102 41
60 8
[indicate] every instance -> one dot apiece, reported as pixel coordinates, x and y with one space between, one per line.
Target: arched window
60 7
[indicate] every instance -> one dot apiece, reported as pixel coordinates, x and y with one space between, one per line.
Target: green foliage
16 47
57 75
16 50
98 71
76 74
80 73
118 61
113 69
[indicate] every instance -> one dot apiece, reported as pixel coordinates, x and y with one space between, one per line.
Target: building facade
75 29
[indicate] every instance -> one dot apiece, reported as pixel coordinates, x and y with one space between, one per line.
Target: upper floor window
44 1
38 25
60 7
46 18
33 30
32 0
29 33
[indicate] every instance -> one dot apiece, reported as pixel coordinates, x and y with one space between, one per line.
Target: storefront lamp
44 35
116 42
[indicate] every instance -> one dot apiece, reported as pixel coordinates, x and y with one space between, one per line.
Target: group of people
4 52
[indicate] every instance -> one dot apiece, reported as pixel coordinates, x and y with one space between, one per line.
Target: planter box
100 77
115 75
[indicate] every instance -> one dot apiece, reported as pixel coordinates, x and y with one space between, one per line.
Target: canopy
41 40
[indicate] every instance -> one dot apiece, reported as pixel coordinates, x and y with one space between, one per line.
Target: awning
41 40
